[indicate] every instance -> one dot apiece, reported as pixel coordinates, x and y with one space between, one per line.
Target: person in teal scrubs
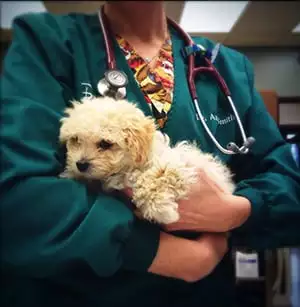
63 244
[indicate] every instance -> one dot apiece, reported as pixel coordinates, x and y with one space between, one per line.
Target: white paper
246 265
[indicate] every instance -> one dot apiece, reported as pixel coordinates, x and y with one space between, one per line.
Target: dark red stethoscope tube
106 30
193 71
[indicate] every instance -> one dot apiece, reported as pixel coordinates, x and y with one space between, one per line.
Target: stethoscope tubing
106 31
232 148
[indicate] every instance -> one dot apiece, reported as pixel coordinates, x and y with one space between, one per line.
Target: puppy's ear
64 131
67 122
139 140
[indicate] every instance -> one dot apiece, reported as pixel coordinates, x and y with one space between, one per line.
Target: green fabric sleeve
272 184
48 223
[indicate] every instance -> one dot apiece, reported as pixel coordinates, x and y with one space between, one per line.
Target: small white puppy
114 142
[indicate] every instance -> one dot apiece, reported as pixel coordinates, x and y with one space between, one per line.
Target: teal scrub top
64 244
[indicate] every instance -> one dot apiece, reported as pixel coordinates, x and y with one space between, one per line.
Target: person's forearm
240 210
186 259
171 257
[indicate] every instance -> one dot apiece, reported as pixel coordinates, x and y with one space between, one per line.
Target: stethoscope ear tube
232 148
241 150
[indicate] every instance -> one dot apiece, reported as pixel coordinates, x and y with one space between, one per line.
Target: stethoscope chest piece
113 84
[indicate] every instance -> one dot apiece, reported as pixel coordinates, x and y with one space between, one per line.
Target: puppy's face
104 137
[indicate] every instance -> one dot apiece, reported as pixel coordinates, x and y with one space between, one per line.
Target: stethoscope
114 82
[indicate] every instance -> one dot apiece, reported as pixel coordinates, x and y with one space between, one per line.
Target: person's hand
210 209
188 260
128 192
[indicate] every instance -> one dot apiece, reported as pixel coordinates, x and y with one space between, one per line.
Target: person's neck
140 24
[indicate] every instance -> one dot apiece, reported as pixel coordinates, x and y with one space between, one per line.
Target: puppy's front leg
156 192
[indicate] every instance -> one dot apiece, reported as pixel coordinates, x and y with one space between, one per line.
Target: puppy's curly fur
114 142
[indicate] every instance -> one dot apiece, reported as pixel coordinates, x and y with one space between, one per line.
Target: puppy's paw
65 174
156 192
167 215
164 212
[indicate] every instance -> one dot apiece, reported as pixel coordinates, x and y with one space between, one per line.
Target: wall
278 70
10 9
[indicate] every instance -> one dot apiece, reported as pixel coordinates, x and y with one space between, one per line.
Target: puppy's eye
104 145
74 140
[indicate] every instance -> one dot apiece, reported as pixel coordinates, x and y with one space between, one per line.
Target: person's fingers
186 221
207 180
138 214
128 192
174 226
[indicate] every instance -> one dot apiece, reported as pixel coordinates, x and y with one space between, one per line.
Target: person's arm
189 260
48 222
271 182
264 211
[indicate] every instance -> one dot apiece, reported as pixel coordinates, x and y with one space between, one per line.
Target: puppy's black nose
82 166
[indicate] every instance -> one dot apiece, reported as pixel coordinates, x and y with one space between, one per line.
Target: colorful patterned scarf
156 83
